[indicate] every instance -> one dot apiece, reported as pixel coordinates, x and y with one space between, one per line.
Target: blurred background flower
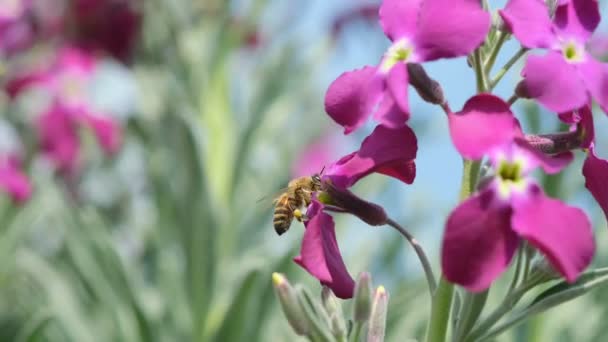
136 137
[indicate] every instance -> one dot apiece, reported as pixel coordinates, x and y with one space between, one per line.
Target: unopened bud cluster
324 320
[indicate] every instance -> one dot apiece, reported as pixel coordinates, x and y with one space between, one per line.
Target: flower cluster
506 206
53 49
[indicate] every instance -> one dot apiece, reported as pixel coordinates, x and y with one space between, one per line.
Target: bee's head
316 178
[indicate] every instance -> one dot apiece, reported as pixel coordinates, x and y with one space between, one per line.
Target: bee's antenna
323 169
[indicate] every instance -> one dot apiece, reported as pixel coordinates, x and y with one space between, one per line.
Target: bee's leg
299 215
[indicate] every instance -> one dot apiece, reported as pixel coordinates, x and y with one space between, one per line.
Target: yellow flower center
572 52
510 178
400 51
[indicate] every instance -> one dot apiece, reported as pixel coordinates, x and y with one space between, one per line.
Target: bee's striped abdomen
283 213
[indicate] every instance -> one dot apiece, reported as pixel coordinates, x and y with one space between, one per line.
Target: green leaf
554 296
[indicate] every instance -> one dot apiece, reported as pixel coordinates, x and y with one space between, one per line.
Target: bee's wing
270 200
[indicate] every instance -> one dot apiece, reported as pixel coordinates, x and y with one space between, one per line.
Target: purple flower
567 76
421 30
390 151
483 232
595 169
15 32
66 83
107 26
13 181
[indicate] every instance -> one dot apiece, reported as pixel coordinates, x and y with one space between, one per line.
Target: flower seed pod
521 90
428 89
347 201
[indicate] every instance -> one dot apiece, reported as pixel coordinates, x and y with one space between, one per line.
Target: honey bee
297 195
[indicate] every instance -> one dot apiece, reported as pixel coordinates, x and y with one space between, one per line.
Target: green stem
512 99
522 51
470 173
502 36
473 304
442 300
518 270
440 312
426 265
480 75
355 336
505 307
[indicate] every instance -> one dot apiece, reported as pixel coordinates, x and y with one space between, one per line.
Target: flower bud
377 319
334 310
344 199
289 303
363 297
521 90
428 89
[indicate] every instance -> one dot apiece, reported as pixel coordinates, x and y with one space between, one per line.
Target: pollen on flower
572 52
510 178
400 51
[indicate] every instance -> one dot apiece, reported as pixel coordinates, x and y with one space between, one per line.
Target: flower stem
356 334
518 270
437 328
502 36
479 73
522 51
426 265
470 173
442 299
512 99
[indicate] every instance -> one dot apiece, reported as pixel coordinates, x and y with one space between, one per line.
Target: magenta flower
390 151
107 26
16 33
421 30
595 169
66 83
482 234
567 76
13 181
598 46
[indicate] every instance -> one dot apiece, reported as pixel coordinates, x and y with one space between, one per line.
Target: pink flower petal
561 232
18 84
387 150
450 28
389 114
14 181
529 22
595 77
58 137
405 172
478 243
350 99
399 18
320 255
106 130
484 123
586 122
577 19
554 82
397 82
595 171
